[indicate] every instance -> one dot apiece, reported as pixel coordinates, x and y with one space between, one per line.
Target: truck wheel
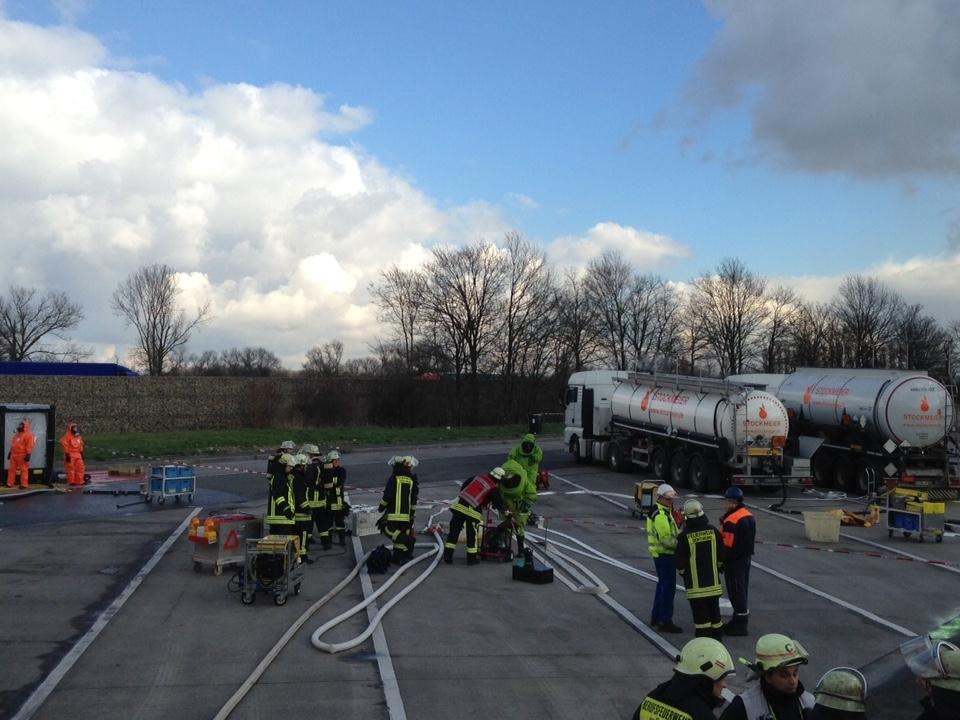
844 475
615 459
575 449
697 474
658 463
823 468
679 475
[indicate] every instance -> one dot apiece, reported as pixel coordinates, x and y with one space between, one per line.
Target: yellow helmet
692 509
776 651
842 688
707 657
287 459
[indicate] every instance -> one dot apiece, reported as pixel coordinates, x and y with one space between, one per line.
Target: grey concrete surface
469 640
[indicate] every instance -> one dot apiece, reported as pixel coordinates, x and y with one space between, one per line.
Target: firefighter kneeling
475 494
398 505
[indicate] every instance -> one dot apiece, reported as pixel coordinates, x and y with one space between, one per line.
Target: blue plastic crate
904 521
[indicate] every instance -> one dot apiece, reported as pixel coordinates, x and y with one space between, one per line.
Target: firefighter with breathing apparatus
475 494
519 494
398 506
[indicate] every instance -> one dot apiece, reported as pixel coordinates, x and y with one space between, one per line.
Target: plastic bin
535 424
822 526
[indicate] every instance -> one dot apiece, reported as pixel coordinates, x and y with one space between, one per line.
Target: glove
26 457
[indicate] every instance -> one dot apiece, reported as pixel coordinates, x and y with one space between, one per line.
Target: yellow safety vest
662 532
652 709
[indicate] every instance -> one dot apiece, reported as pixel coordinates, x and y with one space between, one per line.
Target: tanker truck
865 428
694 432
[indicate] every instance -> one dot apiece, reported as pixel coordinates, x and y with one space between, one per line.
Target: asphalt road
469 640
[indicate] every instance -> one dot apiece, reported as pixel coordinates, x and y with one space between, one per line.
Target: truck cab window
571 395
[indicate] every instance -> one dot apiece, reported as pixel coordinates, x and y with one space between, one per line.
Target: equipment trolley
166 481
271 566
910 511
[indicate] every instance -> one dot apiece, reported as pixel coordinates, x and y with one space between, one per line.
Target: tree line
501 310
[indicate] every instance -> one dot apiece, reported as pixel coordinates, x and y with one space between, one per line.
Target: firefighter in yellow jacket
398 506
699 557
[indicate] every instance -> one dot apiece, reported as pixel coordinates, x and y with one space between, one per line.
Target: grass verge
110 446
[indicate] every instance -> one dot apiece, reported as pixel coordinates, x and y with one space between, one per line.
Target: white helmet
692 509
287 445
333 455
302 459
310 449
666 491
497 473
287 459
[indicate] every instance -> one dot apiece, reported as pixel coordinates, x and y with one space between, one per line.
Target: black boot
448 556
472 559
342 536
325 542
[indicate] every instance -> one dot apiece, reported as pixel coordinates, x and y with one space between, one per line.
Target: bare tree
324 360
147 300
464 299
694 348
27 319
731 304
868 312
363 367
399 296
575 326
782 309
609 288
250 362
811 330
527 316
920 342
652 326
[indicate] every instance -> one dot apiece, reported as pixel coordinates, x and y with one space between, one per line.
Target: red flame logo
646 400
763 412
807 394
924 404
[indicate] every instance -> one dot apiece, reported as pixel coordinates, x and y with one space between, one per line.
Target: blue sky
810 139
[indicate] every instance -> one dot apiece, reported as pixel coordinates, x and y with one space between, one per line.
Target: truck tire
823 468
615 459
575 449
679 476
844 474
699 474
659 465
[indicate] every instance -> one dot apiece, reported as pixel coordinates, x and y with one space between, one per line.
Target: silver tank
732 415
898 405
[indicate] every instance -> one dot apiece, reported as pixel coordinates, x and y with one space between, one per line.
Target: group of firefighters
306 492
22 443
686 543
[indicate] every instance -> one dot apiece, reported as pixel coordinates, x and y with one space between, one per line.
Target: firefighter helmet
842 688
287 459
776 651
692 509
497 473
707 657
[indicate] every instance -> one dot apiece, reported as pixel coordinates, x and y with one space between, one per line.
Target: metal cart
270 566
644 498
910 511
220 540
165 481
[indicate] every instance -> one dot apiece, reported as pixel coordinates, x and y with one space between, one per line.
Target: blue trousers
666 586
737 575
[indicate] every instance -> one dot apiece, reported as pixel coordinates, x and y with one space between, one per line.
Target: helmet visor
922 656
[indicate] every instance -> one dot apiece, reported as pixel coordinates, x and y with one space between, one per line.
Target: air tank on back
906 407
678 405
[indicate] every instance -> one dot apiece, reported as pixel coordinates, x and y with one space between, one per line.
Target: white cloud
642 249
929 280
104 171
525 202
865 88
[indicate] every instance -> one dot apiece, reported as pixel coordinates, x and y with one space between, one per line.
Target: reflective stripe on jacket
662 531
651 709
699 556
399 498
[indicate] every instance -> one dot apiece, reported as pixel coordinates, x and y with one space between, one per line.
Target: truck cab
588 408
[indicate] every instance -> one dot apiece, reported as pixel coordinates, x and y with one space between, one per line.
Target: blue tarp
66 368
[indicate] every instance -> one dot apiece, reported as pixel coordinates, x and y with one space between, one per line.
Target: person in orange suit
21 445
72 444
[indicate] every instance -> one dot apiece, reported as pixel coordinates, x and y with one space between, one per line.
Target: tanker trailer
695 432
867 427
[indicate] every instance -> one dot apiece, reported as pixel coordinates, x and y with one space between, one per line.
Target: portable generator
271 566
